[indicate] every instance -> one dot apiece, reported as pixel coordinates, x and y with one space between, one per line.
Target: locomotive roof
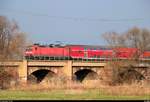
89 46
77 45
71 45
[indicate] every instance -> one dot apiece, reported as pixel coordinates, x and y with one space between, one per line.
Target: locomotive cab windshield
28 51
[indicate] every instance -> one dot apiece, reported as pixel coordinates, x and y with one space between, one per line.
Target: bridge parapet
47 63
88 64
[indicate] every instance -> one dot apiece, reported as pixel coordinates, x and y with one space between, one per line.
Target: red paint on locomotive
36 50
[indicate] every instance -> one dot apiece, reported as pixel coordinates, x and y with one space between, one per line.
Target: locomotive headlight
28 52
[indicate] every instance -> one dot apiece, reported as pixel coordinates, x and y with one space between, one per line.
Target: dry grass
71 87
49 86
129 90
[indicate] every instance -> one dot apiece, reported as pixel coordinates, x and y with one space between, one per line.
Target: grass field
76 91
63 94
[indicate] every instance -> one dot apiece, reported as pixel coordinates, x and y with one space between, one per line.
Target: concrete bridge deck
63 63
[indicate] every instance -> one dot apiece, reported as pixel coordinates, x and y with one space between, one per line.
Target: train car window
80 51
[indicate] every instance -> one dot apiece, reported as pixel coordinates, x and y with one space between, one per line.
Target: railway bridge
68 68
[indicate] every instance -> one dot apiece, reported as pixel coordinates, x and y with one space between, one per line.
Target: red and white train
80 52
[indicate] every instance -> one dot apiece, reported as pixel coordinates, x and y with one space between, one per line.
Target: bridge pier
67 70
22 72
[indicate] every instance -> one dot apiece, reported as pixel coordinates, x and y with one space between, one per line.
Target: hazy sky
76 21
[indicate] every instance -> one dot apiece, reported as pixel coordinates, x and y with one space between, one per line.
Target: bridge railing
46 58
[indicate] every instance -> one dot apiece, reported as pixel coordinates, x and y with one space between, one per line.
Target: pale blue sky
76 21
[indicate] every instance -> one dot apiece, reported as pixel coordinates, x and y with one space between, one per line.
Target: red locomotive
80 52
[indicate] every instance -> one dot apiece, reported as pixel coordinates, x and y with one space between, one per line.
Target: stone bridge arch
128 75
145 71
53 69
37 75
86 73
125 74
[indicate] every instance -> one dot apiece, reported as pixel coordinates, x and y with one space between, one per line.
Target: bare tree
138 38
12 41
